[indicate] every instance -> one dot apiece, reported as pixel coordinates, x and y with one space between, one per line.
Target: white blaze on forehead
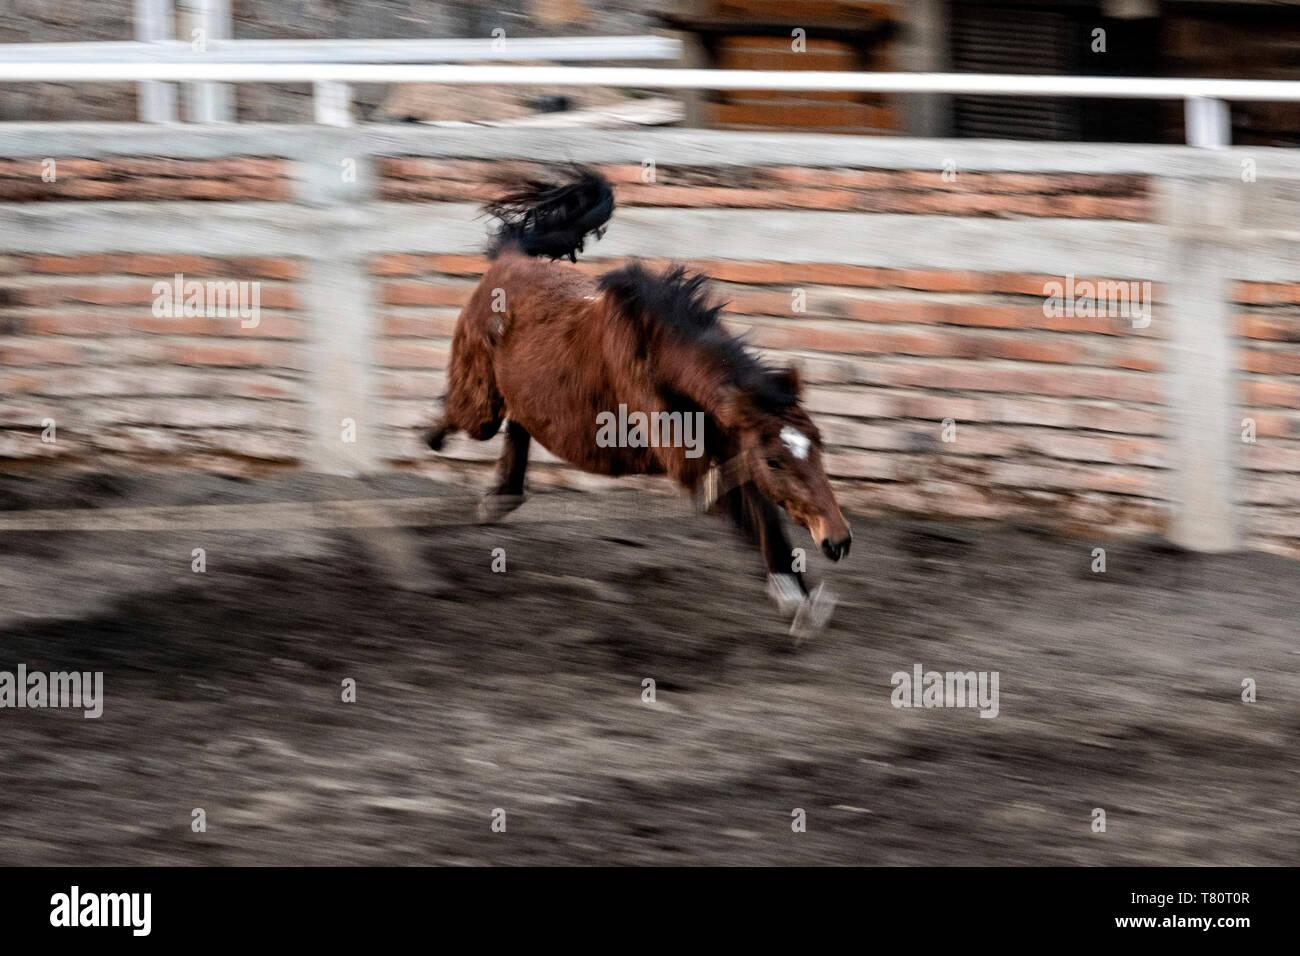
796 441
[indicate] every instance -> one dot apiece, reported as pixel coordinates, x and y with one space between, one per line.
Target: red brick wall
79 343
1060 419
820 48
831 111
141 178
1268 360
918 191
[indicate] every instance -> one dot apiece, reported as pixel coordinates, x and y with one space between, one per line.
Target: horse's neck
691 371
720 444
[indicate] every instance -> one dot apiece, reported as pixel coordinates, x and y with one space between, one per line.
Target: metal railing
1205 99
73 62
647 47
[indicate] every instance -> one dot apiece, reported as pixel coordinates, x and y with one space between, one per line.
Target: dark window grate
1024 40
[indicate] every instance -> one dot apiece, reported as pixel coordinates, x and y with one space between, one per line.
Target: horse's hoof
492 508
813 615
784 589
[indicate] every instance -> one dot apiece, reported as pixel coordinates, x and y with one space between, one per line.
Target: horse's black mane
681 302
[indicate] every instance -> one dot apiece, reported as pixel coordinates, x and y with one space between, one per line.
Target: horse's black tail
552 218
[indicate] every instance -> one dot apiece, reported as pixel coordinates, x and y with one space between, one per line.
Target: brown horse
562 358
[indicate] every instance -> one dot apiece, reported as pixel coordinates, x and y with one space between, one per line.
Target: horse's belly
564 422
579 447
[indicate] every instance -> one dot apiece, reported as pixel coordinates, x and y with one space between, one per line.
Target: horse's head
781 450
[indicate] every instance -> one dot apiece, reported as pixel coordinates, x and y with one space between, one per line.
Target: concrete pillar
1197 323
339 306
923 48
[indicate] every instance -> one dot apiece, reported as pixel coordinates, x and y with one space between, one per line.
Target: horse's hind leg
438 433
478 416
472 403
508 492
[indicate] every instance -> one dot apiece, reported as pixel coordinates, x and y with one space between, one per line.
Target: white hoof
813 615
785 591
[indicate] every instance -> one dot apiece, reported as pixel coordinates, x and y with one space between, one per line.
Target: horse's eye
774 464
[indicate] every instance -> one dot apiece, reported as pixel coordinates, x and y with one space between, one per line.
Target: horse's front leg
508 492
760 520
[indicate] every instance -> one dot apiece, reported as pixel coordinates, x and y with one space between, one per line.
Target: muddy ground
523 691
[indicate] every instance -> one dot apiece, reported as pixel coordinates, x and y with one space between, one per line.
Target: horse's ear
790 380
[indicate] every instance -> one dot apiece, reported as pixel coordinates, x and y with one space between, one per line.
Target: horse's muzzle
836 549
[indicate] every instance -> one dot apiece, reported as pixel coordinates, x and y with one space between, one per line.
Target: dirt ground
522 691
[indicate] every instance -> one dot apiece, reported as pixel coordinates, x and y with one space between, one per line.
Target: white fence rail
208 102
562 49
1205 99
